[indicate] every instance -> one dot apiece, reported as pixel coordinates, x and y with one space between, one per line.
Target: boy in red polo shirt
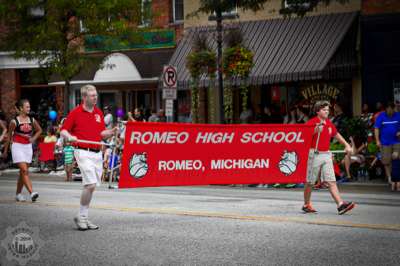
86 122
320 162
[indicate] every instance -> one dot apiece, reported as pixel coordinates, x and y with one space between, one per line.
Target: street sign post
169 77
169 93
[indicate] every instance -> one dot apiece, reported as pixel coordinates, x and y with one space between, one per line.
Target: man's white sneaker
91 226
81 223
34 196
20 197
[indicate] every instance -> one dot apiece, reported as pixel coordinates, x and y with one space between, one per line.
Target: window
297 4
82 26
232 14
178 10
146 13
37 12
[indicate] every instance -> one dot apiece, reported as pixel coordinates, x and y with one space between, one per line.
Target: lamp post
219 17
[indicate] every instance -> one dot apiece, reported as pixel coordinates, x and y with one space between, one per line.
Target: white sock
84 211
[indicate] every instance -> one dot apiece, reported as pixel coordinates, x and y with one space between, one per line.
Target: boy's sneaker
81 223
308 209
91 226
34 196
345 207
20 197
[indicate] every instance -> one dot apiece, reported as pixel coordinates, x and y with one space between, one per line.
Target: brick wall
60 100
163 17
372 7
9 89
162 11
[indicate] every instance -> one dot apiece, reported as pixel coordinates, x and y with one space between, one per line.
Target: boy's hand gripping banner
164 154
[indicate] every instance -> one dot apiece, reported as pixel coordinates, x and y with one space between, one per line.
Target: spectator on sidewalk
154 117
137 116
68 160
339 119
108 117
358 156
50 136
387 132
161 115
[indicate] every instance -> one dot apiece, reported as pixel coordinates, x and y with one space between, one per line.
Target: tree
53 32
216 8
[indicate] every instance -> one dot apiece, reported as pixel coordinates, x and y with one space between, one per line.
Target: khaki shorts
320 165
387 152
91 166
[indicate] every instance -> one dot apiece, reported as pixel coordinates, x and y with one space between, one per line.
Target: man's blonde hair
86 88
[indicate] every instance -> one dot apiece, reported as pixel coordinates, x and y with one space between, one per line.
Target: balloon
120 112
52 115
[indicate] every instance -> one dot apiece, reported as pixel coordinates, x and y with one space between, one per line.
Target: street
208 225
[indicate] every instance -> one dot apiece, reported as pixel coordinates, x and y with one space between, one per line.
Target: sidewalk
371 186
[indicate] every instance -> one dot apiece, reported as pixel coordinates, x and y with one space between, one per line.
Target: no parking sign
169 77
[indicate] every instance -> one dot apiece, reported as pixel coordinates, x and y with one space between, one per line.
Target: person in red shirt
21 135
320 164
86 122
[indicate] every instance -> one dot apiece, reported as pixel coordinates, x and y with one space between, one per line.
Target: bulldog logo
288 163
138 165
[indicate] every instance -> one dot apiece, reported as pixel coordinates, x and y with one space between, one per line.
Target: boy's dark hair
320 104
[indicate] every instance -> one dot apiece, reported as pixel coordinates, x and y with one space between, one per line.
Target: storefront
381 57
296 61
128 80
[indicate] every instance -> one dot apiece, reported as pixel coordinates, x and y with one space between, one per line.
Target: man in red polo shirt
320 164
86 122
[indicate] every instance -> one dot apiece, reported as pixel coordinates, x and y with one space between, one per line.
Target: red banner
165 154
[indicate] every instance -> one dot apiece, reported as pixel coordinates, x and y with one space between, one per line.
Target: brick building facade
14 85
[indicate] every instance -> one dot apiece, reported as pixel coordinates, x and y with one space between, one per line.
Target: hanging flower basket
237 62
201 62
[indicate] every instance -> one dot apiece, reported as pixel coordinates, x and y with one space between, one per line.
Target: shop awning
285 50
127 67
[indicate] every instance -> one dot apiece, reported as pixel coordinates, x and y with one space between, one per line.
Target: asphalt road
212 225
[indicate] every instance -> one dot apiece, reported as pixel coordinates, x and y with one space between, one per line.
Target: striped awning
285 50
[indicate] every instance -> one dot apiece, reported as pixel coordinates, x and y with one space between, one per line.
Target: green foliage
228 104
372 148
219 6
237 61
355 127
202 62
50 31
336 146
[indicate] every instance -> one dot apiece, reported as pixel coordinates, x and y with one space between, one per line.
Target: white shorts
91 166
21 153
320 166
